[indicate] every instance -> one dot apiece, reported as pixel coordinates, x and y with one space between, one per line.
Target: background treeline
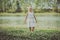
21 5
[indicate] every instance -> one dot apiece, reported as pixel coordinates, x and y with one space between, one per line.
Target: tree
18 7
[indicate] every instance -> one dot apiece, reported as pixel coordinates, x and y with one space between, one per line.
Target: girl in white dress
30 19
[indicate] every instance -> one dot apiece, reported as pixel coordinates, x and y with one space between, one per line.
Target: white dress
31 20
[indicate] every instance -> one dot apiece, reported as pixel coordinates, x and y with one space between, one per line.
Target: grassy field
18 33
37 14
21 32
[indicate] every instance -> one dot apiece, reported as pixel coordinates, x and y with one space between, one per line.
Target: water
42 21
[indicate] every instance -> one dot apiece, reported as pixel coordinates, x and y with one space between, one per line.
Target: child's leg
32 28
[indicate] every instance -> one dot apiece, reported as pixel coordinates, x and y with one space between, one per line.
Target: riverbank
37 14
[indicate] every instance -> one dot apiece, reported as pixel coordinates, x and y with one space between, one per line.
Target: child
30 19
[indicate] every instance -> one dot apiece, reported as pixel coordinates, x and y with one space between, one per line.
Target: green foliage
24 34
7 5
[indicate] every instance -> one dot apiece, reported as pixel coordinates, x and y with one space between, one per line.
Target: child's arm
35 18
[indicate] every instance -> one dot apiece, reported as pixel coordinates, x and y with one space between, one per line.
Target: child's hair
30 8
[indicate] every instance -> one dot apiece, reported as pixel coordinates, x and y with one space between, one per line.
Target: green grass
37 14
17 33
23 33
